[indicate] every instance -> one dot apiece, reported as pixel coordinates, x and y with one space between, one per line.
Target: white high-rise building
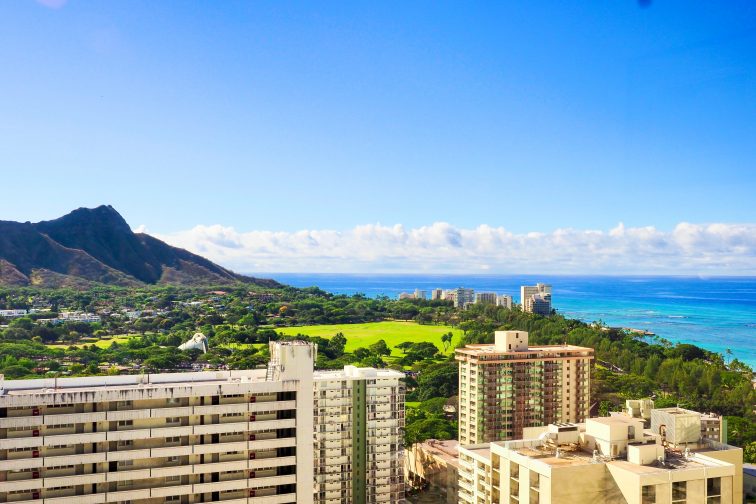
359 418
529 293
437 294
220 436
463 297
488 298
504 300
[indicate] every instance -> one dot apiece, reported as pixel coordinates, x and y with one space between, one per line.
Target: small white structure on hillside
198 341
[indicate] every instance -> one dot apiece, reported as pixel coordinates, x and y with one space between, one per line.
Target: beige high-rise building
536 298
359 450
487 298
603 461
504 300
463 297
507 386
239 437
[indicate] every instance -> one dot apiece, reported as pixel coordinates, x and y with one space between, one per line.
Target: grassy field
234 346
100 343
393 333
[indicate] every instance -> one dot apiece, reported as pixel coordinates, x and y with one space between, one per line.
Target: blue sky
529 116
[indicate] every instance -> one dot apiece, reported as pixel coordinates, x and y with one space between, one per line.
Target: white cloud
443 248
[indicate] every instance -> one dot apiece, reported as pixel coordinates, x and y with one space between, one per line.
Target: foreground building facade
359 418
224 436
605 460
507 386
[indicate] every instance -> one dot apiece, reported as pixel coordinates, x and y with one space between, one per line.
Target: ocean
716 313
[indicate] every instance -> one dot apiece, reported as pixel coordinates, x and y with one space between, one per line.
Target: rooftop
127 382
447 450
356 373
490 349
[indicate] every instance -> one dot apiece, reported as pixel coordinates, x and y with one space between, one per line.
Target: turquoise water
714 313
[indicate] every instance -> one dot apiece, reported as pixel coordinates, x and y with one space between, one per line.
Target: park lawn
241 346
100 343
392 332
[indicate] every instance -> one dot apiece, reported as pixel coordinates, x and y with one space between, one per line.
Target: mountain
96 245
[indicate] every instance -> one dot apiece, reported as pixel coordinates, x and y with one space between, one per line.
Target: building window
679 491
648 494
713 490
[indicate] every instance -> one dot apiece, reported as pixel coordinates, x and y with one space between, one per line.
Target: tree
362 353
335 347
446 340
373 361
404 346
380 348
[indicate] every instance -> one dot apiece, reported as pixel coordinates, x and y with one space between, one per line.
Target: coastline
715 313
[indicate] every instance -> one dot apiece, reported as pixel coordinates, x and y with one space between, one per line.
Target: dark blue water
715 313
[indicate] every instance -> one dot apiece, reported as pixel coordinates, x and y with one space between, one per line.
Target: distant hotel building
230 436
504 300
437 294
536 299
487 298
359 418
610 460
418 294
463 297
507 386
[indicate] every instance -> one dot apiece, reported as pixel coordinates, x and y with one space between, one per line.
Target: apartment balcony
289 479
236 465
128 455
76 499
272 406
218 447
39 483
52 440
21 421
272 462
167 491
138 414
272 499
138 474
170 451
219 486
21 464
266 444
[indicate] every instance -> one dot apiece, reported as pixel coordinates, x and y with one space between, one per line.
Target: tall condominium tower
230 436
463 297
504 300
507 386
359 416
536 297
488 298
